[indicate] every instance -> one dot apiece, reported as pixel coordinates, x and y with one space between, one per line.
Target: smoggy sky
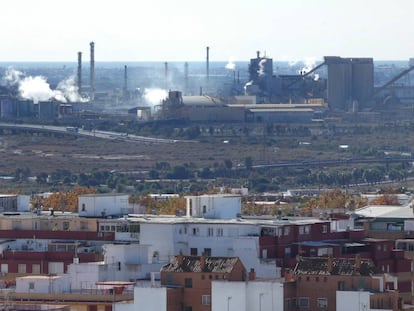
180 30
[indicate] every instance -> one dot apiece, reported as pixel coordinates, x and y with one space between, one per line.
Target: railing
66 297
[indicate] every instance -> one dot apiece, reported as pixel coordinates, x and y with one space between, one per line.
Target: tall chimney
208 62
186 75
79 71
166 74
92 73
125 80
258 54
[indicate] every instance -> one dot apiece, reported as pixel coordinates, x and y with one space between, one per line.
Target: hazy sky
180 30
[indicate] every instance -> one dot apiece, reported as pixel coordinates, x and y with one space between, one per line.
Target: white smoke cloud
230 65
154 96
70 91
38 89
309 64
261 71
12 76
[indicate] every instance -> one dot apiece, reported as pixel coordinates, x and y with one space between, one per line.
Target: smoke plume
154 96
230 65
38 89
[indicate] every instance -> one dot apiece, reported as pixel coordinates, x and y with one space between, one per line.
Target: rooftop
339 266
194 264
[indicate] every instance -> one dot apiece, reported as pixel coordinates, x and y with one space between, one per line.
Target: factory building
239 109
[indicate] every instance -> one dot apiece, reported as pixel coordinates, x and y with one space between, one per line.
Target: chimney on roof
180 258
329 266
202 262
252 274
288 275
357 261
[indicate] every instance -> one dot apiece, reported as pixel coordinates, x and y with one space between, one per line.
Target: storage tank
339 89
362 80
7 108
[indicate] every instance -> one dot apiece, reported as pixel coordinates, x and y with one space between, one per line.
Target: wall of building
145 298
214 206
102 205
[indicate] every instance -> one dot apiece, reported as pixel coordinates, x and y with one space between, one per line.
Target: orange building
319 279
188 280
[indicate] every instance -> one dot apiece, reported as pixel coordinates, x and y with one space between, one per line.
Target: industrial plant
261 90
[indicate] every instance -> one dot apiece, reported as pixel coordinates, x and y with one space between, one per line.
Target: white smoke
230 65
154 96
70 90
261 70
309 64
38 89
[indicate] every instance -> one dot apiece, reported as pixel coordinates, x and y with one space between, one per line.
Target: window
204 209
303 302
66 225
317 279
188 282
341 285
21 268
193 251
196 231
219 231
35 268
324 228
210 231
206 299
207 252
83 207
31 285
322 303
288 252
286 231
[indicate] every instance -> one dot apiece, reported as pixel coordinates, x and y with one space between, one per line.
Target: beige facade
47 222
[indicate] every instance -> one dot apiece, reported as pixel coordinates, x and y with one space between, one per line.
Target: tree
385 199
65 201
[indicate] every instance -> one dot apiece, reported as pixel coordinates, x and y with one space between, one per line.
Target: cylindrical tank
7 108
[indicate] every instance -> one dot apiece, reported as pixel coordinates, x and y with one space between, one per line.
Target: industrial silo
7 108
339 88
362 80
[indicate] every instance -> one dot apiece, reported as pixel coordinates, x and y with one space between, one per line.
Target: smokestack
166 74
79 71
92 73
186 75
208 62
125 80
258 54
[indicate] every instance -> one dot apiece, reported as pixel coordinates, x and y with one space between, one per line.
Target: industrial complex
349 87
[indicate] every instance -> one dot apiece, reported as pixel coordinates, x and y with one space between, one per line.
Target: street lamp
228 303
